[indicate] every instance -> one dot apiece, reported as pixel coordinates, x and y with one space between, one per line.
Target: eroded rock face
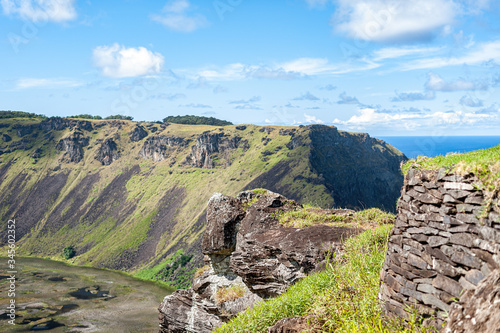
478 310
269 261
158 148
73 146
209 144
58 124
138 133
107 152
249 251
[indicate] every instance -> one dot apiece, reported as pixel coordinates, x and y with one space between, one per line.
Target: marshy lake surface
54 297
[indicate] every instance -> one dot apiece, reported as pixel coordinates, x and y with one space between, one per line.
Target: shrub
69 252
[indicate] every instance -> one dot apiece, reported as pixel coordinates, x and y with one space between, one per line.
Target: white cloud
395 52
119 61
344 99
46 83
482 53
470 101
313 119
411 96
393 21
370 118
40 10
196 106
175 17
437 83
306 97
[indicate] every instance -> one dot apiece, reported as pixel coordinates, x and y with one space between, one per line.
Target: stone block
412 293
416 261
437 253
419 188
459 194
466 208
449 285
458 186
420 238
423 197
391 282
438 225
449 199
436 241
444 268
429 209
430 185
489 234
427 289
451 221
445 234
474 276
434 301
476 200
466 284
463 239
466 260
467 218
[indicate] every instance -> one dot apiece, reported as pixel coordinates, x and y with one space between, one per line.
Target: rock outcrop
445 240
207 145
6 138
73 146
107 152
138 133
158 148
58 124
477 310
250 254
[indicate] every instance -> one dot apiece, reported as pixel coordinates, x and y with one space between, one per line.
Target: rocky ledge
250 257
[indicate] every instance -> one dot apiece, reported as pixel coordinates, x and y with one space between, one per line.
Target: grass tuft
308 216
225 294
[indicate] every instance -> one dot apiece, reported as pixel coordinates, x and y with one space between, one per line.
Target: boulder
185 311
251 255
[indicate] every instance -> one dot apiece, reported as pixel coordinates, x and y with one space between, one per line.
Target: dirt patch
272 180
72 207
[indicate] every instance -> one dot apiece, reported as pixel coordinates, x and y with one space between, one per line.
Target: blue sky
386 67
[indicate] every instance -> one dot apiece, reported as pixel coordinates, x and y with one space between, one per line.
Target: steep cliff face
133 196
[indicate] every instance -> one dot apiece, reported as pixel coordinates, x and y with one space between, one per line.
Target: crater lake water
413 146
54 297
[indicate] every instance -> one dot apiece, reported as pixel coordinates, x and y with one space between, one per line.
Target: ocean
413 146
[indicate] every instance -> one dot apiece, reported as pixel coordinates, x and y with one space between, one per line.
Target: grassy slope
107 238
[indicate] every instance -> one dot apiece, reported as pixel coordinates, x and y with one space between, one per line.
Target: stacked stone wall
446 239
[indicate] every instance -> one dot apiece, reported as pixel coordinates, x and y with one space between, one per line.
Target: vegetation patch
226 294
69 252
196 120
342 298
308 216
199 272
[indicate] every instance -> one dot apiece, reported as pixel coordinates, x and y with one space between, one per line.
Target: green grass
483 162
342 298
308 216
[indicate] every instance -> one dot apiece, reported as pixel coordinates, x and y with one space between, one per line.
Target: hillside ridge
132 196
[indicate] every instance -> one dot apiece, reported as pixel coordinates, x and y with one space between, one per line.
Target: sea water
413 146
